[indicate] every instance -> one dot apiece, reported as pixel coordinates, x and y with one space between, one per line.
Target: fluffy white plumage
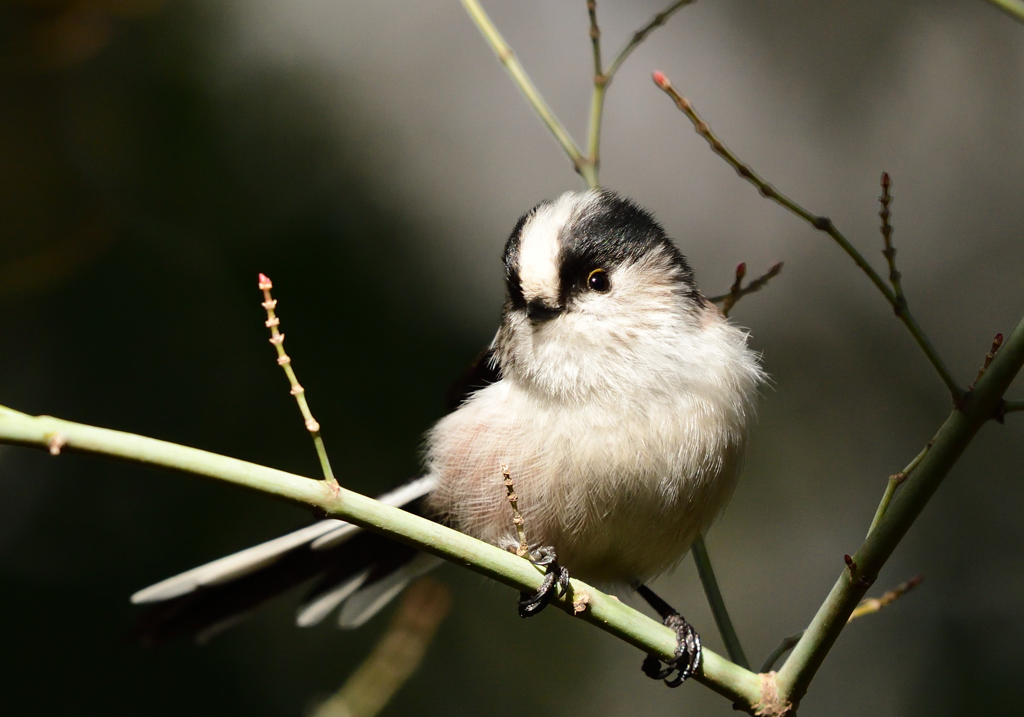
622 419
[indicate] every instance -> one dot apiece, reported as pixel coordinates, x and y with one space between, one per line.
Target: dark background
371 158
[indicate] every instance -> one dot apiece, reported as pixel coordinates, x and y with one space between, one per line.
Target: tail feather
203 601
371 599
322 604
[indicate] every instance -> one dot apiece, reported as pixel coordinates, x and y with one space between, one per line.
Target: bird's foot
556 579
688 654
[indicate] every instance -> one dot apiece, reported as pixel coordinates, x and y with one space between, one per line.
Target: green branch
717 603
587 166
603 78
1013 8
525 84
586 602
956 433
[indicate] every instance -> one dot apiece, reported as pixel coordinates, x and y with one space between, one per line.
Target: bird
617 396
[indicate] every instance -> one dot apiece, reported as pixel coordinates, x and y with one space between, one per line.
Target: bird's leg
556 579
688 651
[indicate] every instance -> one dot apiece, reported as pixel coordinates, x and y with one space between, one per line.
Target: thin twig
1013 8
1010 406
285 362
996 343
717 603
895 481
397 655
603 78
595 38
870 606
890 251
640 35
738 291
867 606
820 223
517 518
787 644
525 84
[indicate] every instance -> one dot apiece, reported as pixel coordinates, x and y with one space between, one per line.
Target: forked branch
738 291
586 165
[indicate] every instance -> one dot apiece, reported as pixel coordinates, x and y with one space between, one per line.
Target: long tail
360 573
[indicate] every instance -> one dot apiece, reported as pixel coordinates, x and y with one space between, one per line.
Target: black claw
687 659
556 580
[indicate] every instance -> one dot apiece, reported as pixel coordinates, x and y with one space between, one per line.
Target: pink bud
265 282
660 80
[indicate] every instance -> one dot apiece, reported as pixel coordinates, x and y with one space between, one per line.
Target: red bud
741 270
660 80
265 282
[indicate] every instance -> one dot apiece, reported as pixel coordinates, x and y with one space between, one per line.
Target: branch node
580 600
56 442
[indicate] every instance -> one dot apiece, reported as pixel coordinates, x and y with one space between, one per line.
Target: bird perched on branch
617 396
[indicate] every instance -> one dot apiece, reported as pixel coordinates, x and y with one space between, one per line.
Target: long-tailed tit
618 397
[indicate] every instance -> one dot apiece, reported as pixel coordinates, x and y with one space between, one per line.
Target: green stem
592 162
717 603
285 362
524 83
1013 8
823 224
606 612
787 644
596 100
947 446
894 482
1010 406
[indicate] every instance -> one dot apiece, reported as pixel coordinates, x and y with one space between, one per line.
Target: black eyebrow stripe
611 231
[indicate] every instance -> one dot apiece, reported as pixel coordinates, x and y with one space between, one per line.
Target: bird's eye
598 280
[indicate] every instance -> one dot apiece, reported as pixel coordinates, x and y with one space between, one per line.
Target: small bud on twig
57 441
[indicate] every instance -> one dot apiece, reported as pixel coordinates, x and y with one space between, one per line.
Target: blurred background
372 158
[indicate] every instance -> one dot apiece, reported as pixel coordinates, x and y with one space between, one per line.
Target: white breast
619 484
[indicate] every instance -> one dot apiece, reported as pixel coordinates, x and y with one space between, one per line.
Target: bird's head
599 297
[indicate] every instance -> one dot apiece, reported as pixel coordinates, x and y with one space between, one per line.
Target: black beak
539 312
